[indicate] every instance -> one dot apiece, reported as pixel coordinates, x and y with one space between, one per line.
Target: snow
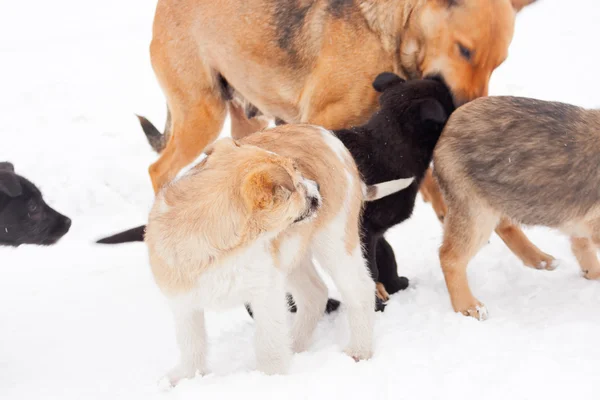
81 321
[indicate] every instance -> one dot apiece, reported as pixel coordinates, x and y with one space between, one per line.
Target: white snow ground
79 321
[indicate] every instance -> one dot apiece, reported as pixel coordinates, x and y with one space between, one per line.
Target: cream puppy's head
233 196
274 192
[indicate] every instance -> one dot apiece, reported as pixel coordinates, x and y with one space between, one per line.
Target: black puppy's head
24 216
428 100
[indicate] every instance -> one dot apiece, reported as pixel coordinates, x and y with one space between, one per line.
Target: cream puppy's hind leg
310 295
272 337
191 338
349 272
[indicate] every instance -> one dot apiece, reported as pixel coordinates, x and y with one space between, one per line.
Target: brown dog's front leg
522 247
431 194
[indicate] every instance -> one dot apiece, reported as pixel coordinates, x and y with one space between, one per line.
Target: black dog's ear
385 80
432 110
6 166
9 184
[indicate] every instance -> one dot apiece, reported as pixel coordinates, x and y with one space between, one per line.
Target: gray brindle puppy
522 160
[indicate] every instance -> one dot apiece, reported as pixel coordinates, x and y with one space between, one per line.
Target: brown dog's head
463 41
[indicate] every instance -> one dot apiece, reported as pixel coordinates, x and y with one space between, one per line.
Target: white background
87 322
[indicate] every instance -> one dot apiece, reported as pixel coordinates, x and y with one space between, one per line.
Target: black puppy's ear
6 166
385 80
9 184
432 110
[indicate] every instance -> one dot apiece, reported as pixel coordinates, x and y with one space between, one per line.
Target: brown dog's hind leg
586 253
431 194
522 247
194 96
241 126
194 127
465 232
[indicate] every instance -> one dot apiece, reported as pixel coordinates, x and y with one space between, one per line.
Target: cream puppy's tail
380 190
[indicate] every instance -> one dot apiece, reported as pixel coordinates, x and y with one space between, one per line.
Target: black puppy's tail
132 235
157 140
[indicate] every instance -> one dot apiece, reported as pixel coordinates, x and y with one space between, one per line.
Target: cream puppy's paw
177 374
275 364
359 354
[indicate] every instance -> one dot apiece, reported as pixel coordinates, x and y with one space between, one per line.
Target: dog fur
242 227
522 160
25 218
310 60
398 141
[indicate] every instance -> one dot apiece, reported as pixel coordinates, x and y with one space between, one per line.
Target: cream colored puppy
243 225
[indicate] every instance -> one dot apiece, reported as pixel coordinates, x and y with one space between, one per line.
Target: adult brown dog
314 61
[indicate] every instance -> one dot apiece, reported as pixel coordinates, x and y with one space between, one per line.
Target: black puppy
397 142
24 216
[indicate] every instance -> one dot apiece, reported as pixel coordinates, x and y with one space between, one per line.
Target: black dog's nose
67 223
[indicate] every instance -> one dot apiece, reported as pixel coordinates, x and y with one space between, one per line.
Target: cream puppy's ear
221 144
266 185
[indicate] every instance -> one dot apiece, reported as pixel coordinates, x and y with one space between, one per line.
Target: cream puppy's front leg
272 337
310 295
191 338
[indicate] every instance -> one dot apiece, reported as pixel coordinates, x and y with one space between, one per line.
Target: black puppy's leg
369 242
388 268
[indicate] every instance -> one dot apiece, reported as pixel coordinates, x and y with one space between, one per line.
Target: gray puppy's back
532 160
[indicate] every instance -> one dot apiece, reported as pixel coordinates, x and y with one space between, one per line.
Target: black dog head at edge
25 218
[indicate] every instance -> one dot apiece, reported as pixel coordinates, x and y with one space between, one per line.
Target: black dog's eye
465 52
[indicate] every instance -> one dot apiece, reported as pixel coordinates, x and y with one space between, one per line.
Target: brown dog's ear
261 187
385 80
6 166
519 4
9 184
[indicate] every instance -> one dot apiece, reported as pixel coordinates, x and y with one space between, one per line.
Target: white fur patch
335 144
190 166
311 189
289 250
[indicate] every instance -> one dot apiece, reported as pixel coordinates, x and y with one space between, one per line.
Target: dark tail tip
153 135
128 236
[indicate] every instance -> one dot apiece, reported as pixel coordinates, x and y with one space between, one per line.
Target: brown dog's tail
132 235
157 140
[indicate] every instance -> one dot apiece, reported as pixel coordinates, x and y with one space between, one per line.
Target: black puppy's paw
332 305
379 305
397 284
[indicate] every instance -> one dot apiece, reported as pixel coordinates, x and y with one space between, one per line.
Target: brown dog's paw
382 294
541 261
474 309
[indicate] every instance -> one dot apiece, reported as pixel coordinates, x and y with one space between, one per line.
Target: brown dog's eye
465 52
